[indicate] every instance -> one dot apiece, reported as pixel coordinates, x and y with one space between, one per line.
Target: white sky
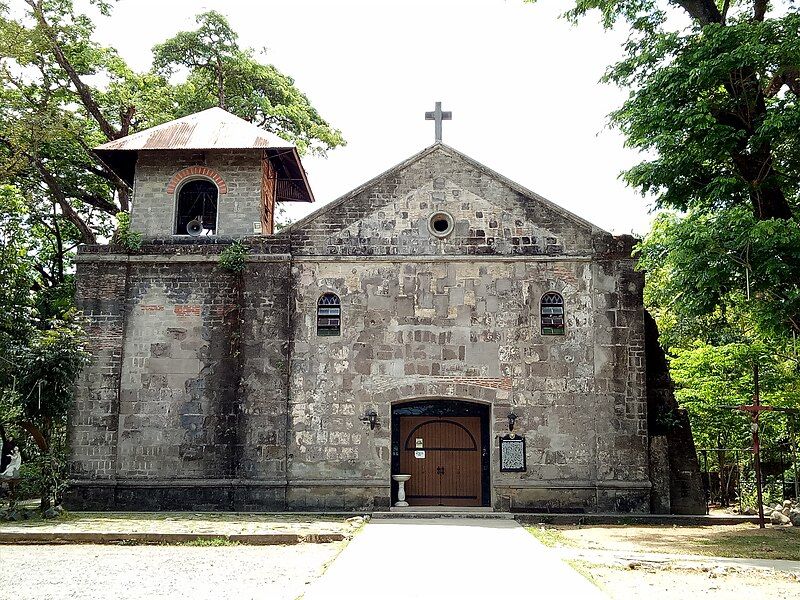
522 85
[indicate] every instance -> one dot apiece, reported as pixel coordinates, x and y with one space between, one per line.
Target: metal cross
438 116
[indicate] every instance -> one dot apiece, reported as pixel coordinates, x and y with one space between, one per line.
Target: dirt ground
666 584
672 563
185 522
149 572
731 541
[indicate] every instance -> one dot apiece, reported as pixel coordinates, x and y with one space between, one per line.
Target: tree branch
98 202
759 9
83 90
788 77
703 11
87 235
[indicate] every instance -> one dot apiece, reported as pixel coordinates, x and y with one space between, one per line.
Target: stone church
440 322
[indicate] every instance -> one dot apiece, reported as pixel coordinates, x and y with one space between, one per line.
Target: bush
234 257
130 240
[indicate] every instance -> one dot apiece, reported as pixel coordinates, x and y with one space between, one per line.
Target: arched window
552 310
197 208
329 315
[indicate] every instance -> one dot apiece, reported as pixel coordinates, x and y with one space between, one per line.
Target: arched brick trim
451 390
193 172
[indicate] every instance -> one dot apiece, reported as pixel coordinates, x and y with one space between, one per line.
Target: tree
225 75
716 104
715 109
41 347
62 94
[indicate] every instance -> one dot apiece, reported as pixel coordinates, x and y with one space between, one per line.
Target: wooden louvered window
329 315
552 310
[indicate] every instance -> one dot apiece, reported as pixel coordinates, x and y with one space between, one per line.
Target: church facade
440 321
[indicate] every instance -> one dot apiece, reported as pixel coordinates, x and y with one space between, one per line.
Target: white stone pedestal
401 489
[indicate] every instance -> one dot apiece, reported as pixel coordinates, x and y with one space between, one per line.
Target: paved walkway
448 558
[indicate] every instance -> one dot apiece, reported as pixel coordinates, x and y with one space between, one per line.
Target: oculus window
552 309
440 224
329 315
197 208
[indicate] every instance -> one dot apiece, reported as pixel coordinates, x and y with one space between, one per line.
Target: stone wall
684 493
470 330
153 206
213 389
187 387
389 216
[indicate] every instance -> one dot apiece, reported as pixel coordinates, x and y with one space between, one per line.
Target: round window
440 224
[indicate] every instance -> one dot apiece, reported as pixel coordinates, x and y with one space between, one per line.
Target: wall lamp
370 417
512 418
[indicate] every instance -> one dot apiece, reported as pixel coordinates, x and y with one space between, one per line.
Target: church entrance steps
435 512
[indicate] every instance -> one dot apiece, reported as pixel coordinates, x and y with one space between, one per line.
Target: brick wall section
101 296
264 370
153 207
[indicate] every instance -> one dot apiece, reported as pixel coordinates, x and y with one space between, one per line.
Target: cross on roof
438 116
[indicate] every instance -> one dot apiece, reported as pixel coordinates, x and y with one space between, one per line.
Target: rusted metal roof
213 128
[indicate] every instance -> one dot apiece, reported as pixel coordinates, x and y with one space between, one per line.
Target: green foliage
15 266
709 377
130 240
234 257
50 361
225 75
689 92
701 265
210 542
714 109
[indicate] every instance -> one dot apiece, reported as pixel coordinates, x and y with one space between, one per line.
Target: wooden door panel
425 487
450 473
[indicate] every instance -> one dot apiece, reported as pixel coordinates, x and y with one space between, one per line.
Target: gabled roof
523 191
209 129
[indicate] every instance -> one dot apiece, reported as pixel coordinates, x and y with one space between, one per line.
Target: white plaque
419 453
419 443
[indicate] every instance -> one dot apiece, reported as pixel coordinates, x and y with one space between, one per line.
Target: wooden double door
443 455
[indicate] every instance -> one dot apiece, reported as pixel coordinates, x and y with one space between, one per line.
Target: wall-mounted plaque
419 443
512 453
419 453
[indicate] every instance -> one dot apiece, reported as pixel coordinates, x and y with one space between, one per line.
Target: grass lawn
729 541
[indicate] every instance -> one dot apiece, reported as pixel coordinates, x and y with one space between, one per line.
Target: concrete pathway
451 558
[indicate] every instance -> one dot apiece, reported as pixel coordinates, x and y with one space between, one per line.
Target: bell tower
207 175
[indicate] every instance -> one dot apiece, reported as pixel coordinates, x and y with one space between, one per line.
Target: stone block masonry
237 175
209 389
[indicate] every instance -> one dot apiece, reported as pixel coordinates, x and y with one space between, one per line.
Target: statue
12 470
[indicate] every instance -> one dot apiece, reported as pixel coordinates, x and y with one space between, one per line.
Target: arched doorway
444 446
